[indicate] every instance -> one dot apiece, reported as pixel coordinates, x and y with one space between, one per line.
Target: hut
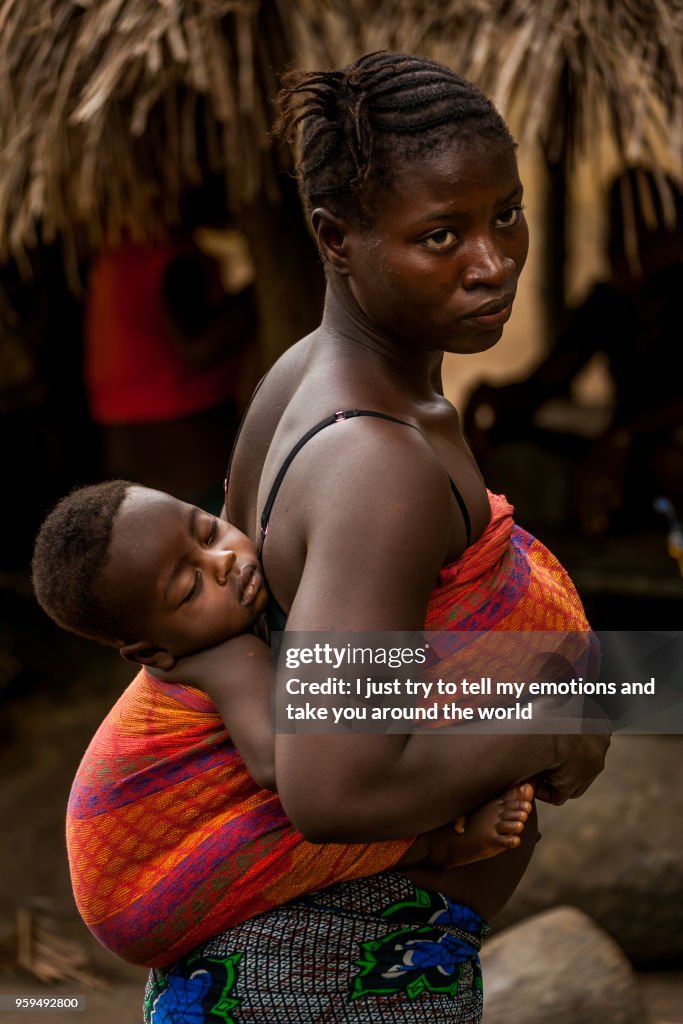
110 112
111 109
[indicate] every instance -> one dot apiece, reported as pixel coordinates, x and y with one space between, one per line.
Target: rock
558 967
617 852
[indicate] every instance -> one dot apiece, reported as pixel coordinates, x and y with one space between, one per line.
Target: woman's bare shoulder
259 424
377 463
370 505
277 387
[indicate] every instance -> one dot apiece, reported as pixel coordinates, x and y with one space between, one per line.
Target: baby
181 593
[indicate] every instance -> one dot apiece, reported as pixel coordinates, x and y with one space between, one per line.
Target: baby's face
188 579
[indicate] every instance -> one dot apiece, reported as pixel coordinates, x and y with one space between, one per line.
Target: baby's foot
492 828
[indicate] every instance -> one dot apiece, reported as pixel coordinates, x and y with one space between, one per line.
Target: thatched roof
109 109
565 71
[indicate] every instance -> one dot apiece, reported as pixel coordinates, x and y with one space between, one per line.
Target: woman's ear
331 233
143 653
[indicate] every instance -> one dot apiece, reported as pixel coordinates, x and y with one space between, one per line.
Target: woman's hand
581 758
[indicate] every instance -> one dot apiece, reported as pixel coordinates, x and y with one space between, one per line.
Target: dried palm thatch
559 70
110 108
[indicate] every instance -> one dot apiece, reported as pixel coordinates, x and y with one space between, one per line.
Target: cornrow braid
350 127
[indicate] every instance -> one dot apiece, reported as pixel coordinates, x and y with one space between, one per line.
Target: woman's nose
487 265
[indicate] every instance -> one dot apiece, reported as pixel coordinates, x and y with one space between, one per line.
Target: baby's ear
143 653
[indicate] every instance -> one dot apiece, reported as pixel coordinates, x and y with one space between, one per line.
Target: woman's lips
501 316
249 583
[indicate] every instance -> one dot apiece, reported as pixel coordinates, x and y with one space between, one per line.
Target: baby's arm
236 675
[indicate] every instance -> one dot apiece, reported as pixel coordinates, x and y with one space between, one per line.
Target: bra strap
465 514
335 417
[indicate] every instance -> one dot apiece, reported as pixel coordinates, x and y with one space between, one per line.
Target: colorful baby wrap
507 580
507 607
170 842
169 839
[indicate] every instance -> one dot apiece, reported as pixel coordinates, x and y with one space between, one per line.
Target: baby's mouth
249 583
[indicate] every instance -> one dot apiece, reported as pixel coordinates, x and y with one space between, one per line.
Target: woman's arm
378 526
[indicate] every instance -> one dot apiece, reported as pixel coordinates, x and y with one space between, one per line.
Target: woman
352 469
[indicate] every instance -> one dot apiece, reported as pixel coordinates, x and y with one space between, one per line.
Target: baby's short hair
70 551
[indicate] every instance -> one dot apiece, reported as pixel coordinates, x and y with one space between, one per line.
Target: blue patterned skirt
371 950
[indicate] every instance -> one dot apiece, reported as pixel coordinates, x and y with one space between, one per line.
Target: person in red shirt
166 356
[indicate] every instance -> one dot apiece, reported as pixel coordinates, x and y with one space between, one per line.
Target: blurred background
154 262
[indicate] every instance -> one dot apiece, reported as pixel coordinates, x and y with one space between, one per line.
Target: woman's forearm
337 789
415 784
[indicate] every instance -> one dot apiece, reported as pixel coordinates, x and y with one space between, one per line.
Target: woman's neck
417 370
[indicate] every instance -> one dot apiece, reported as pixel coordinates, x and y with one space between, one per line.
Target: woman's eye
511 217
440 239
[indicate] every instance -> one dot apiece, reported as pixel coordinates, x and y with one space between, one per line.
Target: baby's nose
225 561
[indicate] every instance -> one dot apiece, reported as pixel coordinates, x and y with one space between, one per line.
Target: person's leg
485 885
496 826
489 830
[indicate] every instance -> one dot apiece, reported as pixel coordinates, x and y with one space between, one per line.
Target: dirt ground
58 690
54 691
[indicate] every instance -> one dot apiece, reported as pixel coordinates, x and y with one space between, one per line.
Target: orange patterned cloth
507 609
169 839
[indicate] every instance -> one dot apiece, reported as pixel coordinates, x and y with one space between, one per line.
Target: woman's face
439 266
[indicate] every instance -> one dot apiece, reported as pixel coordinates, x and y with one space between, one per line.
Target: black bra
276 616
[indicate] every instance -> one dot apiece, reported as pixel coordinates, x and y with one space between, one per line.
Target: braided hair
70 552
351 127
